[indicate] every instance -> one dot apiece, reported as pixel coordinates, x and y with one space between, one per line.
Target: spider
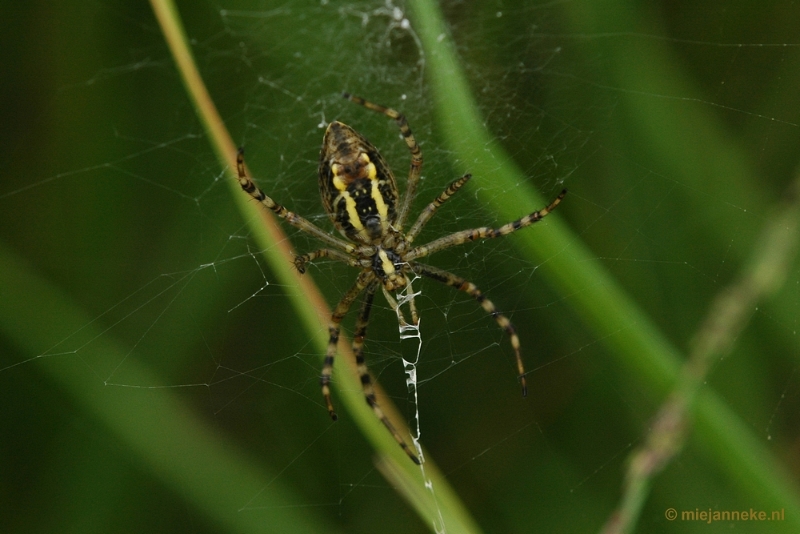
359 194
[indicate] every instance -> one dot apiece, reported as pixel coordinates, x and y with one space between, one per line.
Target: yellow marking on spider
352 214
338 183
386 263
371 170
380 204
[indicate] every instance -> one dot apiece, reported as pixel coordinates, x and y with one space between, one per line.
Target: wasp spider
359 193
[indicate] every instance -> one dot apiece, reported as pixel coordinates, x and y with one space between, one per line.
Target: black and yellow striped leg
300 262
363 373
415 170
484 232
363 280
431 208
249 187
468 287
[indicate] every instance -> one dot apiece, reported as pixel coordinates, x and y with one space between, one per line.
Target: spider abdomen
358 189
360 209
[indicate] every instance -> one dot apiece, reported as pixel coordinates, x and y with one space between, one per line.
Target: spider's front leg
363 280
472 290
363 373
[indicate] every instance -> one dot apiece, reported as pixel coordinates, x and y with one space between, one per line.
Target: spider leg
469 288
431 208
363 280
484 232
412 304
301 261
415 170
363 372
290 217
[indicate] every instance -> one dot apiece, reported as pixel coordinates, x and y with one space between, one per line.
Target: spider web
675 128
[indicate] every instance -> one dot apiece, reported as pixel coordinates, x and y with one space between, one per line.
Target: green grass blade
606 308
161 432
445 507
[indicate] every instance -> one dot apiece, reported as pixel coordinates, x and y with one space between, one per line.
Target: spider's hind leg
414 172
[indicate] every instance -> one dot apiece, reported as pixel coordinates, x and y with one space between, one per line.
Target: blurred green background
140 323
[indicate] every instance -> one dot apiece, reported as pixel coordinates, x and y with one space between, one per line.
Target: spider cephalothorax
359 193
